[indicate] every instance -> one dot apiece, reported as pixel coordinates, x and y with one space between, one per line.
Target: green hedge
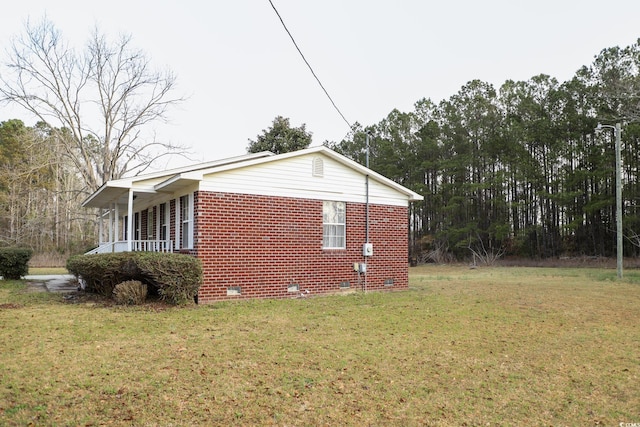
14 262
175 277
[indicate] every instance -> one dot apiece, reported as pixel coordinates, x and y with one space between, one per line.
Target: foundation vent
294 287
234 291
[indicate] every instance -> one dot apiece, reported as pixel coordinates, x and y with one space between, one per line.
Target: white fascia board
178 181
107 190
200 166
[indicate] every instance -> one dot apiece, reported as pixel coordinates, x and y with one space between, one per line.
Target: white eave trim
183 178
119 184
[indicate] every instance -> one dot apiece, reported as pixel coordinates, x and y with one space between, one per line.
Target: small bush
175 277
131 292
14 262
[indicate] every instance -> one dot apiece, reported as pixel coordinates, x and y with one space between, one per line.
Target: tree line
519 170
40 192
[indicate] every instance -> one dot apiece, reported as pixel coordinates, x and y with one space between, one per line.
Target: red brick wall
265 244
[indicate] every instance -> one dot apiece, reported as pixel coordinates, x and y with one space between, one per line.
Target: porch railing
136 246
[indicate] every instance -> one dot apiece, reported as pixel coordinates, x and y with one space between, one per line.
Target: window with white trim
150 226
186 221
333 225
136 226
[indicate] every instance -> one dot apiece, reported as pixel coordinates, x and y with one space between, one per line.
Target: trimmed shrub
13 262
175 277
131 292
102 272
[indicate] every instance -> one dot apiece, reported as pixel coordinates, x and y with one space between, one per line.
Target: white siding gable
294 177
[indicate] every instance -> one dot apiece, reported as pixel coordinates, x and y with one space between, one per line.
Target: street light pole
619 256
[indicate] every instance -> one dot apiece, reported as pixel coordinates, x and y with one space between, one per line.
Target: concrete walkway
56 282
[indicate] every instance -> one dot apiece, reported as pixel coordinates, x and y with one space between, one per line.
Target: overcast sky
239 68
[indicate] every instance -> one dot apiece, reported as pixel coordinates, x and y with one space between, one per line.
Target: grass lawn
490 346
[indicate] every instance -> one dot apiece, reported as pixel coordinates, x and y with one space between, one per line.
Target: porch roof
148 185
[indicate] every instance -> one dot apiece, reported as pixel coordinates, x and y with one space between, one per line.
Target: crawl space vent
234 291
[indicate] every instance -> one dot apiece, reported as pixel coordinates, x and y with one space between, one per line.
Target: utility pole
619 256
619 200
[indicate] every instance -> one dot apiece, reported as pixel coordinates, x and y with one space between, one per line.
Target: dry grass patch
47 270
491 346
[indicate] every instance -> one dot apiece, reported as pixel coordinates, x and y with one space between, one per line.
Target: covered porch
136 214
155 211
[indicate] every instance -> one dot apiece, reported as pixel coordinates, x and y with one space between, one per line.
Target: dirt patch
82 297
9 305
36 287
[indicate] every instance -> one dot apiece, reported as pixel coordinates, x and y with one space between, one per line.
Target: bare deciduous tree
99 101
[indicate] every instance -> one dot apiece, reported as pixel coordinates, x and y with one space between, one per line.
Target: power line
309 65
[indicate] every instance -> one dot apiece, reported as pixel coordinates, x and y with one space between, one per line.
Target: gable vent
317 167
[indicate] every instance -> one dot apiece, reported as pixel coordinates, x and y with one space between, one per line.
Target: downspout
366 219
366 184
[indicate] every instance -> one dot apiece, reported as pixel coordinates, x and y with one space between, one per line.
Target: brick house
265 225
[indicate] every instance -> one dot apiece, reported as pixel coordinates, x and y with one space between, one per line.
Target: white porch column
111 236
116 231
130 220
100 226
